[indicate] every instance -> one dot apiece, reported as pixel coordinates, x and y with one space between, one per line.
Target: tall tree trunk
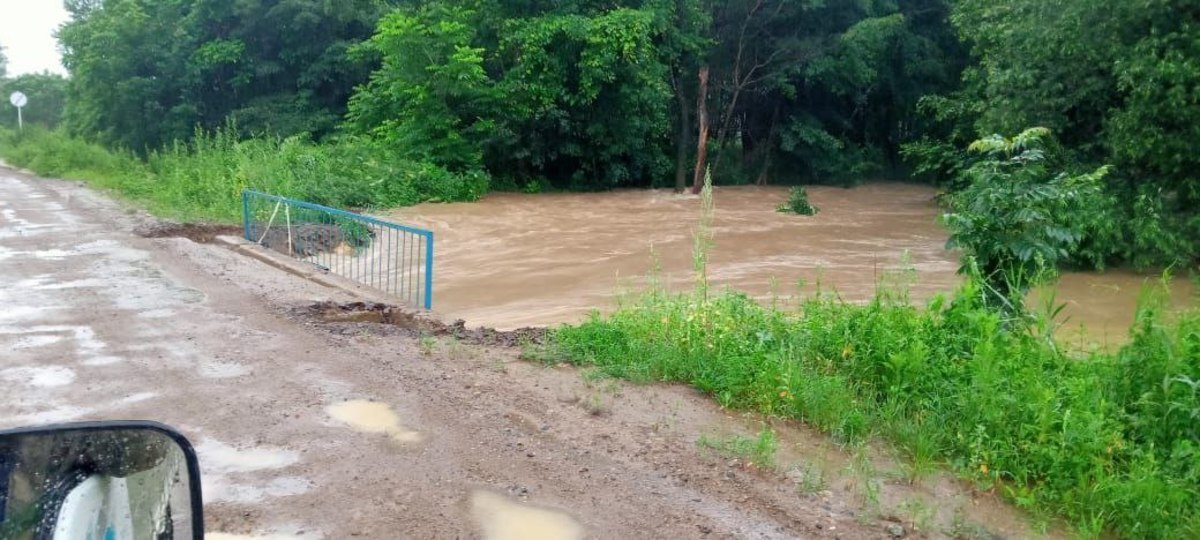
749 142
766 170
702 141
682 140
768 146
723 134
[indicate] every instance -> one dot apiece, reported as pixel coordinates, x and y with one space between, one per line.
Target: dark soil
385 319
203 233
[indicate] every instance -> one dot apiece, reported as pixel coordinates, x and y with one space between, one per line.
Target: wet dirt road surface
512 260
311 429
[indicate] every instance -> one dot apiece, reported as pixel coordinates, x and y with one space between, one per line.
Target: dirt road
311 429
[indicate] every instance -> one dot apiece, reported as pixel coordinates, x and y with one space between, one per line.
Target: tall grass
204 178
1110 441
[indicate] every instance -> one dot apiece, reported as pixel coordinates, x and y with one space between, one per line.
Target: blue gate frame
394 258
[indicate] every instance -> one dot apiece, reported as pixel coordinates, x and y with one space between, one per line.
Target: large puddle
504 519
372 417
515 260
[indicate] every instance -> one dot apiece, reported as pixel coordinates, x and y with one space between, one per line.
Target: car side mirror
100 480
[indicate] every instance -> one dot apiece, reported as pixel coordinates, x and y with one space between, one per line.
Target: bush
797 202
1016 221
203 179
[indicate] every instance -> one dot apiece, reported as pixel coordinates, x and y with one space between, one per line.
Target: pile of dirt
203 233
379 318
311 239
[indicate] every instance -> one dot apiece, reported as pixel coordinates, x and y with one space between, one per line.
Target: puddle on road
33 342
501 518
44 377
103 360
137 398
220 457
372 417
253 492
225 471
222 370
228 536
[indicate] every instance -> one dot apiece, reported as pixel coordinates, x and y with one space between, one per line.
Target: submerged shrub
797 202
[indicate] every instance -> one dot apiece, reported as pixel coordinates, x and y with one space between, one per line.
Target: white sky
27 35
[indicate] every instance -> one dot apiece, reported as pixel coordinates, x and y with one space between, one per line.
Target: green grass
203 179
1109 441
759 451
1105 440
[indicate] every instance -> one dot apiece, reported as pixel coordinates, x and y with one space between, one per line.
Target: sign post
19 101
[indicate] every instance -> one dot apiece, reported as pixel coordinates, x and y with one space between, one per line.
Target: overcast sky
27 35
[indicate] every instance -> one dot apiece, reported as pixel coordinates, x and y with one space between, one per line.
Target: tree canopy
582 94
147 72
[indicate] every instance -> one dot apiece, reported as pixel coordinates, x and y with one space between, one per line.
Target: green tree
430 99
47 98
824 91
577 95
1118 82
146 72
1017 219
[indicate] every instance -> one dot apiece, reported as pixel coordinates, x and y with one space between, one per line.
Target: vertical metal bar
403 265
429 270
391 282
412 274
246 214
375 261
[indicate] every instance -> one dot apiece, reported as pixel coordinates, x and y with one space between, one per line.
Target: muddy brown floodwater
515 260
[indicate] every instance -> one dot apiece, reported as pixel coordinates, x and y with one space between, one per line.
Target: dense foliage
1016 221
1117 82
584 95
47 94
145 73
204 179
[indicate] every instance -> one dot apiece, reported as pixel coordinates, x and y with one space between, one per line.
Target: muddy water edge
514 260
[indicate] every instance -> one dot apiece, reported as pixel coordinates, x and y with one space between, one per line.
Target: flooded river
515 260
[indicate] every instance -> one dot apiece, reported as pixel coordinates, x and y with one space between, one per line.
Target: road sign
19 101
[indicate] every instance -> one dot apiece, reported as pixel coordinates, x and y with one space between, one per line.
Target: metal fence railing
393 258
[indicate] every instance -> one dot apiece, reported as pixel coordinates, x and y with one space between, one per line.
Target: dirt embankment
385 319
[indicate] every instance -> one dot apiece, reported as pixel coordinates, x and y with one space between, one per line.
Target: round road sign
18 99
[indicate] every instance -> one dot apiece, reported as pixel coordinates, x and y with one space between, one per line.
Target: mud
204 233
386 319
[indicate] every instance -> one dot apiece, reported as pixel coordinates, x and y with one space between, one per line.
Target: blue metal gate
393 258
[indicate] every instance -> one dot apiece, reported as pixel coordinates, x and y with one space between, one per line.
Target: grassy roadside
203 180
1110 441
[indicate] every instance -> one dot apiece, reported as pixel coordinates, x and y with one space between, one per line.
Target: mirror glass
96 482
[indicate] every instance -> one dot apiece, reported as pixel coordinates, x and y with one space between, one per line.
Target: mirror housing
123 479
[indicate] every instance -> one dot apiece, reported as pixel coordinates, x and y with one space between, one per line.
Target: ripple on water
372 417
